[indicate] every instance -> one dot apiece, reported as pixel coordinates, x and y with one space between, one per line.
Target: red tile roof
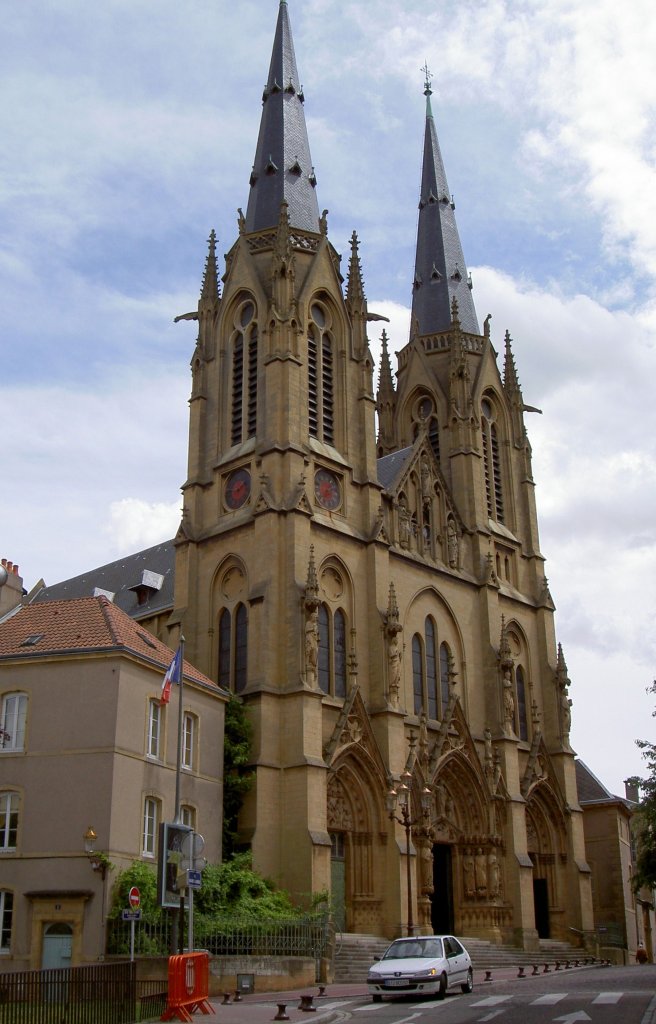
84 625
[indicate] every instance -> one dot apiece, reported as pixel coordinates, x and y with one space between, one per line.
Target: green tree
233 889
237 776
645 823
145 878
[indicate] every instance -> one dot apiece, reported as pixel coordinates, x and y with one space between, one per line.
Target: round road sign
134 898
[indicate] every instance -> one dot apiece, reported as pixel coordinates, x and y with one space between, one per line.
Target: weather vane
427 76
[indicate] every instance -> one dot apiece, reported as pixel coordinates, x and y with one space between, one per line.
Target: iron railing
92 994
309 936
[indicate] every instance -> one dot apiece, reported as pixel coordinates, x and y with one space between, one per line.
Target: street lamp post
400 796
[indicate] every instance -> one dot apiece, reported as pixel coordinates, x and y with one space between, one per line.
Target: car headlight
420 975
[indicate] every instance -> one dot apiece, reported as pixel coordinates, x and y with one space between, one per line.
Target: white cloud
135 523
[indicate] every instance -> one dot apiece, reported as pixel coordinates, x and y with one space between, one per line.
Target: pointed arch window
233 649
522 715
244 375
332 659
492 462
431 672
418 675
445 675
321 384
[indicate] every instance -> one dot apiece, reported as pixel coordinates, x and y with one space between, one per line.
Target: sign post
134 899
192 846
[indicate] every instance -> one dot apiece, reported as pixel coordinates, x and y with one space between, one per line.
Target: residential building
89 754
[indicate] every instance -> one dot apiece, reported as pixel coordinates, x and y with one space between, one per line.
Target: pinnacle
210 288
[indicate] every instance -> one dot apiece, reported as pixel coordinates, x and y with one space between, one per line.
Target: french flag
173 675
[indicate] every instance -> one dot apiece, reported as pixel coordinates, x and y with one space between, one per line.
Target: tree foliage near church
645 825
237 776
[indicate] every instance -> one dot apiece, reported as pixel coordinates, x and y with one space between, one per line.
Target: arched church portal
545 832
355 824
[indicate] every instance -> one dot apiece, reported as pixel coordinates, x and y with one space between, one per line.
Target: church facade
363 569
359 563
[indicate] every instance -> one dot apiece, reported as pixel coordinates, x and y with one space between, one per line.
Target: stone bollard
521 973
237 996
547 969
306 1004
226 999
557 965
322 991
535 970
567 965
282 1012
488 975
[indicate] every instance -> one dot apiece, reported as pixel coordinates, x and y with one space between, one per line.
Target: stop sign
134 897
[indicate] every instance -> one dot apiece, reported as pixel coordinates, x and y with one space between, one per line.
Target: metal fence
307 936
93 994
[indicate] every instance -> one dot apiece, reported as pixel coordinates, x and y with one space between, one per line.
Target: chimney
632 790
11 587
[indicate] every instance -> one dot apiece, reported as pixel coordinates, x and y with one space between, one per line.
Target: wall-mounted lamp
98 860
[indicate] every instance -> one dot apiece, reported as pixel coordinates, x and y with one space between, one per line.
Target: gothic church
362 568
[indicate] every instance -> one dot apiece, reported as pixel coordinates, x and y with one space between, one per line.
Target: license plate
396 983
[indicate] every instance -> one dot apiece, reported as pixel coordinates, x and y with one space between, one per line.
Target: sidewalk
258 1008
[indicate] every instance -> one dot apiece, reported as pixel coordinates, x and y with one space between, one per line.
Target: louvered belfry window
244 375
492 463
321 385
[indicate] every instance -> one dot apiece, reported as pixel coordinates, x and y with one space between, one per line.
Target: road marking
606 998
492 1001
491 1016
404 1020
550 999
571 1018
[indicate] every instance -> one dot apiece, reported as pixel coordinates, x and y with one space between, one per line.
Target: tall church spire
283 166
440 271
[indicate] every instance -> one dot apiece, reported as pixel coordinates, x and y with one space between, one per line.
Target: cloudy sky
129 130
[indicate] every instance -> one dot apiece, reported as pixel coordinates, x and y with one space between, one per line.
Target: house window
233 649
6 914
12 721
149 830
492 462
188 816
8 821
321 397
332 651
244 376
189 733
154 728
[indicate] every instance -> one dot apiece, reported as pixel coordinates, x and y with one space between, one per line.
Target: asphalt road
602 995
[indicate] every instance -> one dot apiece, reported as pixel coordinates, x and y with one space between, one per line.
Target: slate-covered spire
440 271
283 166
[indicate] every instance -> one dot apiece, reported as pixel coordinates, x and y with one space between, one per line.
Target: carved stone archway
546 835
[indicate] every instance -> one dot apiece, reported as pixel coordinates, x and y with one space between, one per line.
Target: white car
421 965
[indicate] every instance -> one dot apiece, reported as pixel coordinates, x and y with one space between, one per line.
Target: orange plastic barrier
188 986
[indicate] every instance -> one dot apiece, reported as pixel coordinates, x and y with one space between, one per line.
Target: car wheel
377 999
469 984
441 992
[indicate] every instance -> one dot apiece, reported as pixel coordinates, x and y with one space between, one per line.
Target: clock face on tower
237 488
327 490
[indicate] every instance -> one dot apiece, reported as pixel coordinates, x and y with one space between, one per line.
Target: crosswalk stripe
492 1001
607 998
550 999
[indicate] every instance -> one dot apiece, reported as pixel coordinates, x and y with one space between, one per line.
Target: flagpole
178 767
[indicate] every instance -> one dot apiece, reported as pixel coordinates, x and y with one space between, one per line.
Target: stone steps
356 953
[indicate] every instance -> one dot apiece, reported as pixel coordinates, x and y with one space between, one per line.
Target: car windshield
404 948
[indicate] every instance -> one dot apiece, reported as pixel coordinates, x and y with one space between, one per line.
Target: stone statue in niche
394 668
565 713
508 701
481 872
452 544
312 646
493 875
469 874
